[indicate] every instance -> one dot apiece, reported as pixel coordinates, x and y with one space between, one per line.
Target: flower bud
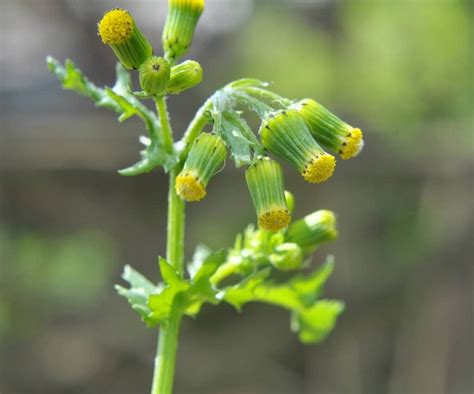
265 183
286 135
205 158
183 16
330 131
154 75
313 230
184 76
287 257
117 29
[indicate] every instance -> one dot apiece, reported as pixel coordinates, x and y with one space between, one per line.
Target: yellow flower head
116 27
189 187
194 5
352 145
275 219
319 169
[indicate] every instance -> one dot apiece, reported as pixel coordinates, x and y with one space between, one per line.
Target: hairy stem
168 340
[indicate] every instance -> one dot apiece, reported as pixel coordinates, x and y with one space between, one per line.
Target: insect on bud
154 75
286 135
118 30
205 158
330 131
183 16
287 257
184 76
265 183
313 230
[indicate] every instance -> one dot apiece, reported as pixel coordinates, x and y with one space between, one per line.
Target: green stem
168 340
165 124
195 128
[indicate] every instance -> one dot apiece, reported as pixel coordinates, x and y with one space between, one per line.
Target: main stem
168 339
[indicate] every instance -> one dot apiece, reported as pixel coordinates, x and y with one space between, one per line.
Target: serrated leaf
138 293
315 323
137 280
126 105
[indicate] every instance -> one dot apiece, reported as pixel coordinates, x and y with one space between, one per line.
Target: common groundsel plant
303 133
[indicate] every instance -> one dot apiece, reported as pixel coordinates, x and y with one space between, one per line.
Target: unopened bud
313 230
184 76
183 16
154 75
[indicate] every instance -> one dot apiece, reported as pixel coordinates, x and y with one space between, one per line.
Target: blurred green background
400 70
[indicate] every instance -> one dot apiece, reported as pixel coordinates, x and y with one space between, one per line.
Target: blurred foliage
392 64
37 272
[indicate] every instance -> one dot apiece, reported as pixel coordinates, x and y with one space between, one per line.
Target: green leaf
201 289
209 266
168 273
310 287
125 104
200 254
72 78
138 294
315 323
259 107
243 292
170 298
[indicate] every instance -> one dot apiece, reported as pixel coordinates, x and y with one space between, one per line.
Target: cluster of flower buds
206 157
157 75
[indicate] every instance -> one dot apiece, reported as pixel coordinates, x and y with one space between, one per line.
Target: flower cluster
303 133
158 74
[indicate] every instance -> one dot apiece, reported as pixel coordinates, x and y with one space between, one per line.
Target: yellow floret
352 145
274 220
189 187
195 5
319 168
116 27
